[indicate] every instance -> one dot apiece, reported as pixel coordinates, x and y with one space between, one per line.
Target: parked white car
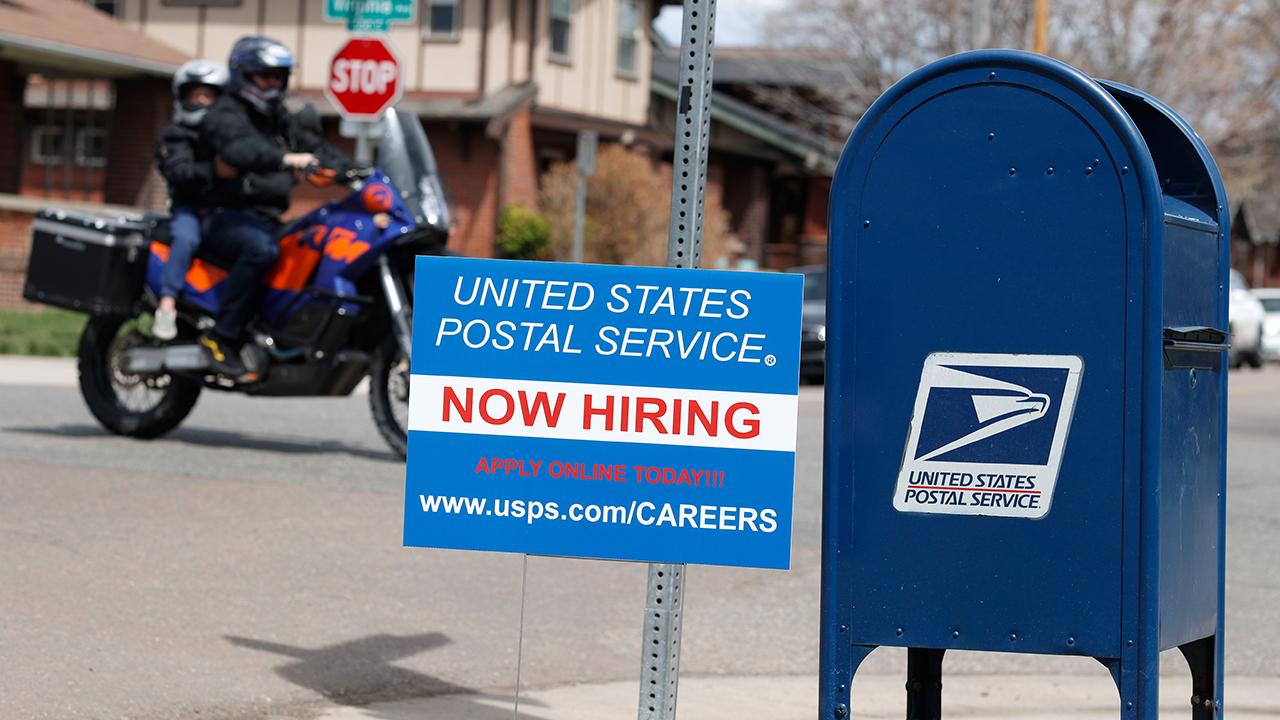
1246 316
1270 299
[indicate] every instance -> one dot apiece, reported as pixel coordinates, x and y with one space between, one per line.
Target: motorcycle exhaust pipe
153 361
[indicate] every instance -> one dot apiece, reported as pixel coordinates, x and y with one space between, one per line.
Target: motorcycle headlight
433 209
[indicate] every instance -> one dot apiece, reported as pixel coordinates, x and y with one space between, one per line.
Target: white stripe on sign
608 413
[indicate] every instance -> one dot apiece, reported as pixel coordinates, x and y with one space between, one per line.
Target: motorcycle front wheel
389 395
133 405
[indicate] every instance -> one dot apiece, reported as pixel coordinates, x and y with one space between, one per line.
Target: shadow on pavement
222 438
360 671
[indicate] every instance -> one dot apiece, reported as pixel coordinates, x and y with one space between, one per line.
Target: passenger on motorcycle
187 167
259 148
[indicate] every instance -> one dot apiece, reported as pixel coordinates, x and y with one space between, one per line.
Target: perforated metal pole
693 127
660 655
364 155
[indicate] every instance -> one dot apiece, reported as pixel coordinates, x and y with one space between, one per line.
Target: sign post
586 166
663 607
364 80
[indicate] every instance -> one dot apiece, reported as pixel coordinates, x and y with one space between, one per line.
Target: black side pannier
86 263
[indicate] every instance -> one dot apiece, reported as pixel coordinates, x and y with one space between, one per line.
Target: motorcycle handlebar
322 176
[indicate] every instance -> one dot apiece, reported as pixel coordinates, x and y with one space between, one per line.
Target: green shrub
523 234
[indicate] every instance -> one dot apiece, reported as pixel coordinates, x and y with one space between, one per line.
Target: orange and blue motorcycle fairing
329 249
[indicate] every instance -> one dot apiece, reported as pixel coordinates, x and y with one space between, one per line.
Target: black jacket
185 164
255 145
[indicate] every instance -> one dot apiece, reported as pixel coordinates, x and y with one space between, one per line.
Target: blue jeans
248 240
184 233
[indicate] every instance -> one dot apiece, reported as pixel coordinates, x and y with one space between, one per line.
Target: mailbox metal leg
924 684
835 700
1201 656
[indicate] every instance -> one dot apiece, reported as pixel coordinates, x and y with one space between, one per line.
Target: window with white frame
628 35
442 19
48 146
561 27
91 147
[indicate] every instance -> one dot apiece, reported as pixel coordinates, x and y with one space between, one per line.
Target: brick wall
15 238
143 106
519 175
11 131
469 166
817 195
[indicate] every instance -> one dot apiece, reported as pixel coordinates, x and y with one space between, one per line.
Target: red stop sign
364 78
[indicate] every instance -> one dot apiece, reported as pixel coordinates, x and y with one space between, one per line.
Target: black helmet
254 55
196 72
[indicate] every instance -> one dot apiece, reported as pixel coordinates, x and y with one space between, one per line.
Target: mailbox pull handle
1191 348
1196 339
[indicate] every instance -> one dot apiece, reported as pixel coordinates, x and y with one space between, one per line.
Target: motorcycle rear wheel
389 395
131 405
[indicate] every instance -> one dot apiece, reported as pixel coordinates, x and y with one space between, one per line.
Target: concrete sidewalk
1059 697
61 372
24 370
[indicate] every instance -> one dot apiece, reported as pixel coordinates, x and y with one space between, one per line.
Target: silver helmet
196 72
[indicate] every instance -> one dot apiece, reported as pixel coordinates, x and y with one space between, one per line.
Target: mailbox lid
1000 200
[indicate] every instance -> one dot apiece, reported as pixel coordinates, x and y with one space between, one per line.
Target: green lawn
47 331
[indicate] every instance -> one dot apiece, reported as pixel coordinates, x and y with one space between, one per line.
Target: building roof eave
38 51
492 106
812 153
554 120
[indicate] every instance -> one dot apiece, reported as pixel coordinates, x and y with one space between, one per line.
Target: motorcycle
335 308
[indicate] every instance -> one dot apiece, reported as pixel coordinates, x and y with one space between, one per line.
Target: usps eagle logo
987 434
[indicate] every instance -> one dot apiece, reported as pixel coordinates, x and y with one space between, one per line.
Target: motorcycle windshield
404 154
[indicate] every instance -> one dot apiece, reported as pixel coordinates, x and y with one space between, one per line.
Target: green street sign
369 15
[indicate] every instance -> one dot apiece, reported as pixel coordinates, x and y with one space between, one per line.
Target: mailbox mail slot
1026 376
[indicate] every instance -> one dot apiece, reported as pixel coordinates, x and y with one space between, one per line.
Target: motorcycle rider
259 147
187 167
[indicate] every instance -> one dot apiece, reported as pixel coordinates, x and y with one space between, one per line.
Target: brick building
502 87
71 78
1255 239
772 151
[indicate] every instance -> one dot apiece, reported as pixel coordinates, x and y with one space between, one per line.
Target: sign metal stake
660 654
586 167
364 155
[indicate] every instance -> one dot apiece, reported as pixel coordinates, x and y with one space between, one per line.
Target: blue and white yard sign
627 413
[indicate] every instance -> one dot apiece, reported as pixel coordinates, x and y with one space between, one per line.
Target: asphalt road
249 566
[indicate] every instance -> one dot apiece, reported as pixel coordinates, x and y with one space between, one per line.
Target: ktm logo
301 251
337 243
343 246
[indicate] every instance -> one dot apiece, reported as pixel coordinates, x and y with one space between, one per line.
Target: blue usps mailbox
1026 406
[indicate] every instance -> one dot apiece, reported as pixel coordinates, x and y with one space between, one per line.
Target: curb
24 370
1057 697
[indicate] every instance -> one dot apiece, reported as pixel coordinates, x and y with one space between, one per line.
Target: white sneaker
165 326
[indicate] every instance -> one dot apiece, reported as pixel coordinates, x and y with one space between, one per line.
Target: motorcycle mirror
308 119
